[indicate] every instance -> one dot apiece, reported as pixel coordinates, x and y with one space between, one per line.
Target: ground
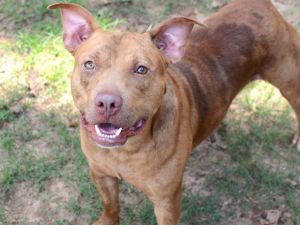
247 172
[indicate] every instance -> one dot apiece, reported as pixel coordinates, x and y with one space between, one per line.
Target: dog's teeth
119 131
112 136
98 130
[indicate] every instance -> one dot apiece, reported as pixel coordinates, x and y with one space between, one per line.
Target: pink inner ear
179 33
173 39
76 29
74 37
171 47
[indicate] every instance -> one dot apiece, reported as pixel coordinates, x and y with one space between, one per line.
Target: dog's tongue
108 128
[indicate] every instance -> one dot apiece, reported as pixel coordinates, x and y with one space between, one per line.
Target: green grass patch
143 213
8 100
7 141
32 15
26 168
264 133
3 219
25 11
5 114
197 210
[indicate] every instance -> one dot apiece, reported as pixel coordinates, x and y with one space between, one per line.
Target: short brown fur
184 101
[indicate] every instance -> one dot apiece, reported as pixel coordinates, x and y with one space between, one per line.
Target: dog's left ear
171 36
78 24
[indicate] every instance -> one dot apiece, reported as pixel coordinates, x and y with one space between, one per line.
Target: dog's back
240 43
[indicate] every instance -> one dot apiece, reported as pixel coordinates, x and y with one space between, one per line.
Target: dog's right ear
78 24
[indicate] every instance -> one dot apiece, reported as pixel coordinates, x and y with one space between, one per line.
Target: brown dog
147 99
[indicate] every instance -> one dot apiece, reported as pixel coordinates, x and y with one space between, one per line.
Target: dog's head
118 80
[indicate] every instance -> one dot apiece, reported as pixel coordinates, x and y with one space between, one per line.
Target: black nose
107 104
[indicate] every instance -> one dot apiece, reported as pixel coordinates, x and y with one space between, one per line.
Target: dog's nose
108 104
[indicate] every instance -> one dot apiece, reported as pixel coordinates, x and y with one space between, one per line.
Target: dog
147 99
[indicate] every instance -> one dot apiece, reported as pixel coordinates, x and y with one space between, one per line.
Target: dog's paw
106 221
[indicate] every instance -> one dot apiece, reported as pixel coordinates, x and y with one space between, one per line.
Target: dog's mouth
108 135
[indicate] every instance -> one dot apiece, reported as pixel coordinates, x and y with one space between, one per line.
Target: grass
264 134
38 148
23 164
201 210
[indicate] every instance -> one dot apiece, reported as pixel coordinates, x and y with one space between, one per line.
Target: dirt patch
26 205
200 166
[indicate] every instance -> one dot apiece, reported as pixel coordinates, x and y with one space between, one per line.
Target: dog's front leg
108 187
167 208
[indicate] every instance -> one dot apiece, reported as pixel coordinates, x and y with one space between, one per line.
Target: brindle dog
147 99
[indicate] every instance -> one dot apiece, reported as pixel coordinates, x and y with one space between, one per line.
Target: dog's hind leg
283 71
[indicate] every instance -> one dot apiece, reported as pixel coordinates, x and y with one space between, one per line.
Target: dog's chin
108 135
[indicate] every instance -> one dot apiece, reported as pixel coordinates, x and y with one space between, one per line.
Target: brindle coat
183 101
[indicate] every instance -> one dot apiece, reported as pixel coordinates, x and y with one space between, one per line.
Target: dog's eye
89 65
141 70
